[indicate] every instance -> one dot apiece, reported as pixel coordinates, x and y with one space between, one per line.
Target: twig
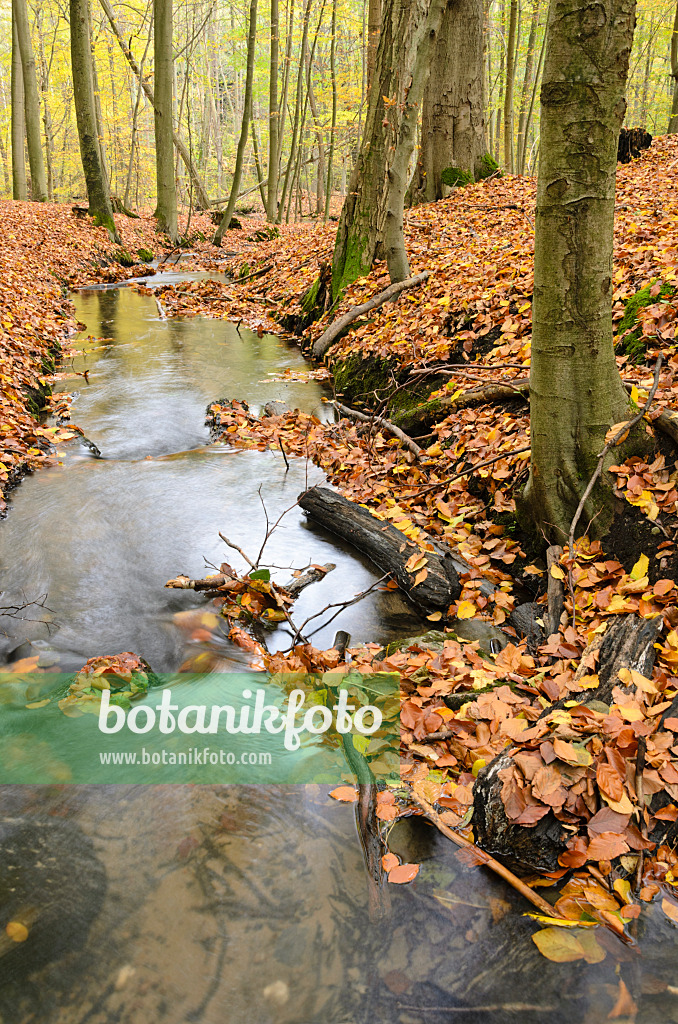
362 417
538 901
554 589
340 605
467 472
239 550
257 273
623 431
284 455
640 768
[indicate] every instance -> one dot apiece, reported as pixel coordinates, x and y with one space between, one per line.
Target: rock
276 408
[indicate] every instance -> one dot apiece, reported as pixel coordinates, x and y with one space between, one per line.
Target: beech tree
673 119
372 215
98 193
576 393
18 122
452 116
166 209
31 101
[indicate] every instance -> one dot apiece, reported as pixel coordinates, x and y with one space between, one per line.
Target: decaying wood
392 292
387 547
555 591
215 582
627 643
314 574
422 416
361 417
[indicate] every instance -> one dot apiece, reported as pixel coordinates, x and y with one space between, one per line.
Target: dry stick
554 589
284 454
467 472
618 437
334 330
257 273
239 550
538 901
353 414
640 768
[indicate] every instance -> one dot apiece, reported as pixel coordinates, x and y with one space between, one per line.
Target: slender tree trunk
673 120
649 61
335 99
31 102
244 130
297 109
395 95
182 149
510 81
576 393
18 121
97 106
286 84
528 119
83 90
403 148
166 209
46 116
320 140
257 163
526 87
274 124
452 119
373 31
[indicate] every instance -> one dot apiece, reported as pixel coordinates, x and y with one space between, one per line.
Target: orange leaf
403 873
347 794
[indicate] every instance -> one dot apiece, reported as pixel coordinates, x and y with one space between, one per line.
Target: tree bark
526 88
452 117
291 163
31 102
166 209
335 102
576 392
274 123
18 121
244 130
180 145
386 546
373 32
510 80
673 120
387 141
83 91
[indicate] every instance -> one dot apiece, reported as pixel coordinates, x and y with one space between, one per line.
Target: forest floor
469 325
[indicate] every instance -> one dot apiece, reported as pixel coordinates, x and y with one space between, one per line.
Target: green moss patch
629 340
455 176
488 166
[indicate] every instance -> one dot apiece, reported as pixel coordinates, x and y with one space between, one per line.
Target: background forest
327 100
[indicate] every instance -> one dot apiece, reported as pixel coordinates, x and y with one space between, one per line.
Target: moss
124 258
145 255
488 166
455 176
629 338
372 380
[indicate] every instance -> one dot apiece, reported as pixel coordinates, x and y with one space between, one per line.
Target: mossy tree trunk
31 102
166 208
18 122
576 393
673 120
452 117
244 130
395 93
83 90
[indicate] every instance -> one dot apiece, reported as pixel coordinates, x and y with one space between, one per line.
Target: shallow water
241 904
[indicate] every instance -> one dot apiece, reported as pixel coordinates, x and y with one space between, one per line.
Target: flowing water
241 904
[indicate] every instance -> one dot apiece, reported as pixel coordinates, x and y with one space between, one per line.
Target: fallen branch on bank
391 428
325 340
422 416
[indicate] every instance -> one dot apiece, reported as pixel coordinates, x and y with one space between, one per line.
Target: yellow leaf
634 394
557 572
640 568
16 931
562 946
623 889
623 806
668 906
559 922
477 765
466 610
629 677
38 704
435 616
420 577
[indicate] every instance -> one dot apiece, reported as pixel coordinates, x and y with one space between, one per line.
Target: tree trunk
166 209
201 191
31 102
576 392
18 121
673 120
274 123
83 91
335 100
297 111
510 80
373 31
526 87
244 130
387 141
452 118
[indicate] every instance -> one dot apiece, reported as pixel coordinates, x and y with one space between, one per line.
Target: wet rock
276 408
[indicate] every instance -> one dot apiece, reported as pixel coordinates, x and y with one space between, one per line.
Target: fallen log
422 416
325 340
627 643
390 428
228 581
313 574
388 548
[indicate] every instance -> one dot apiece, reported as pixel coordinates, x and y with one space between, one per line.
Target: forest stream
246 904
